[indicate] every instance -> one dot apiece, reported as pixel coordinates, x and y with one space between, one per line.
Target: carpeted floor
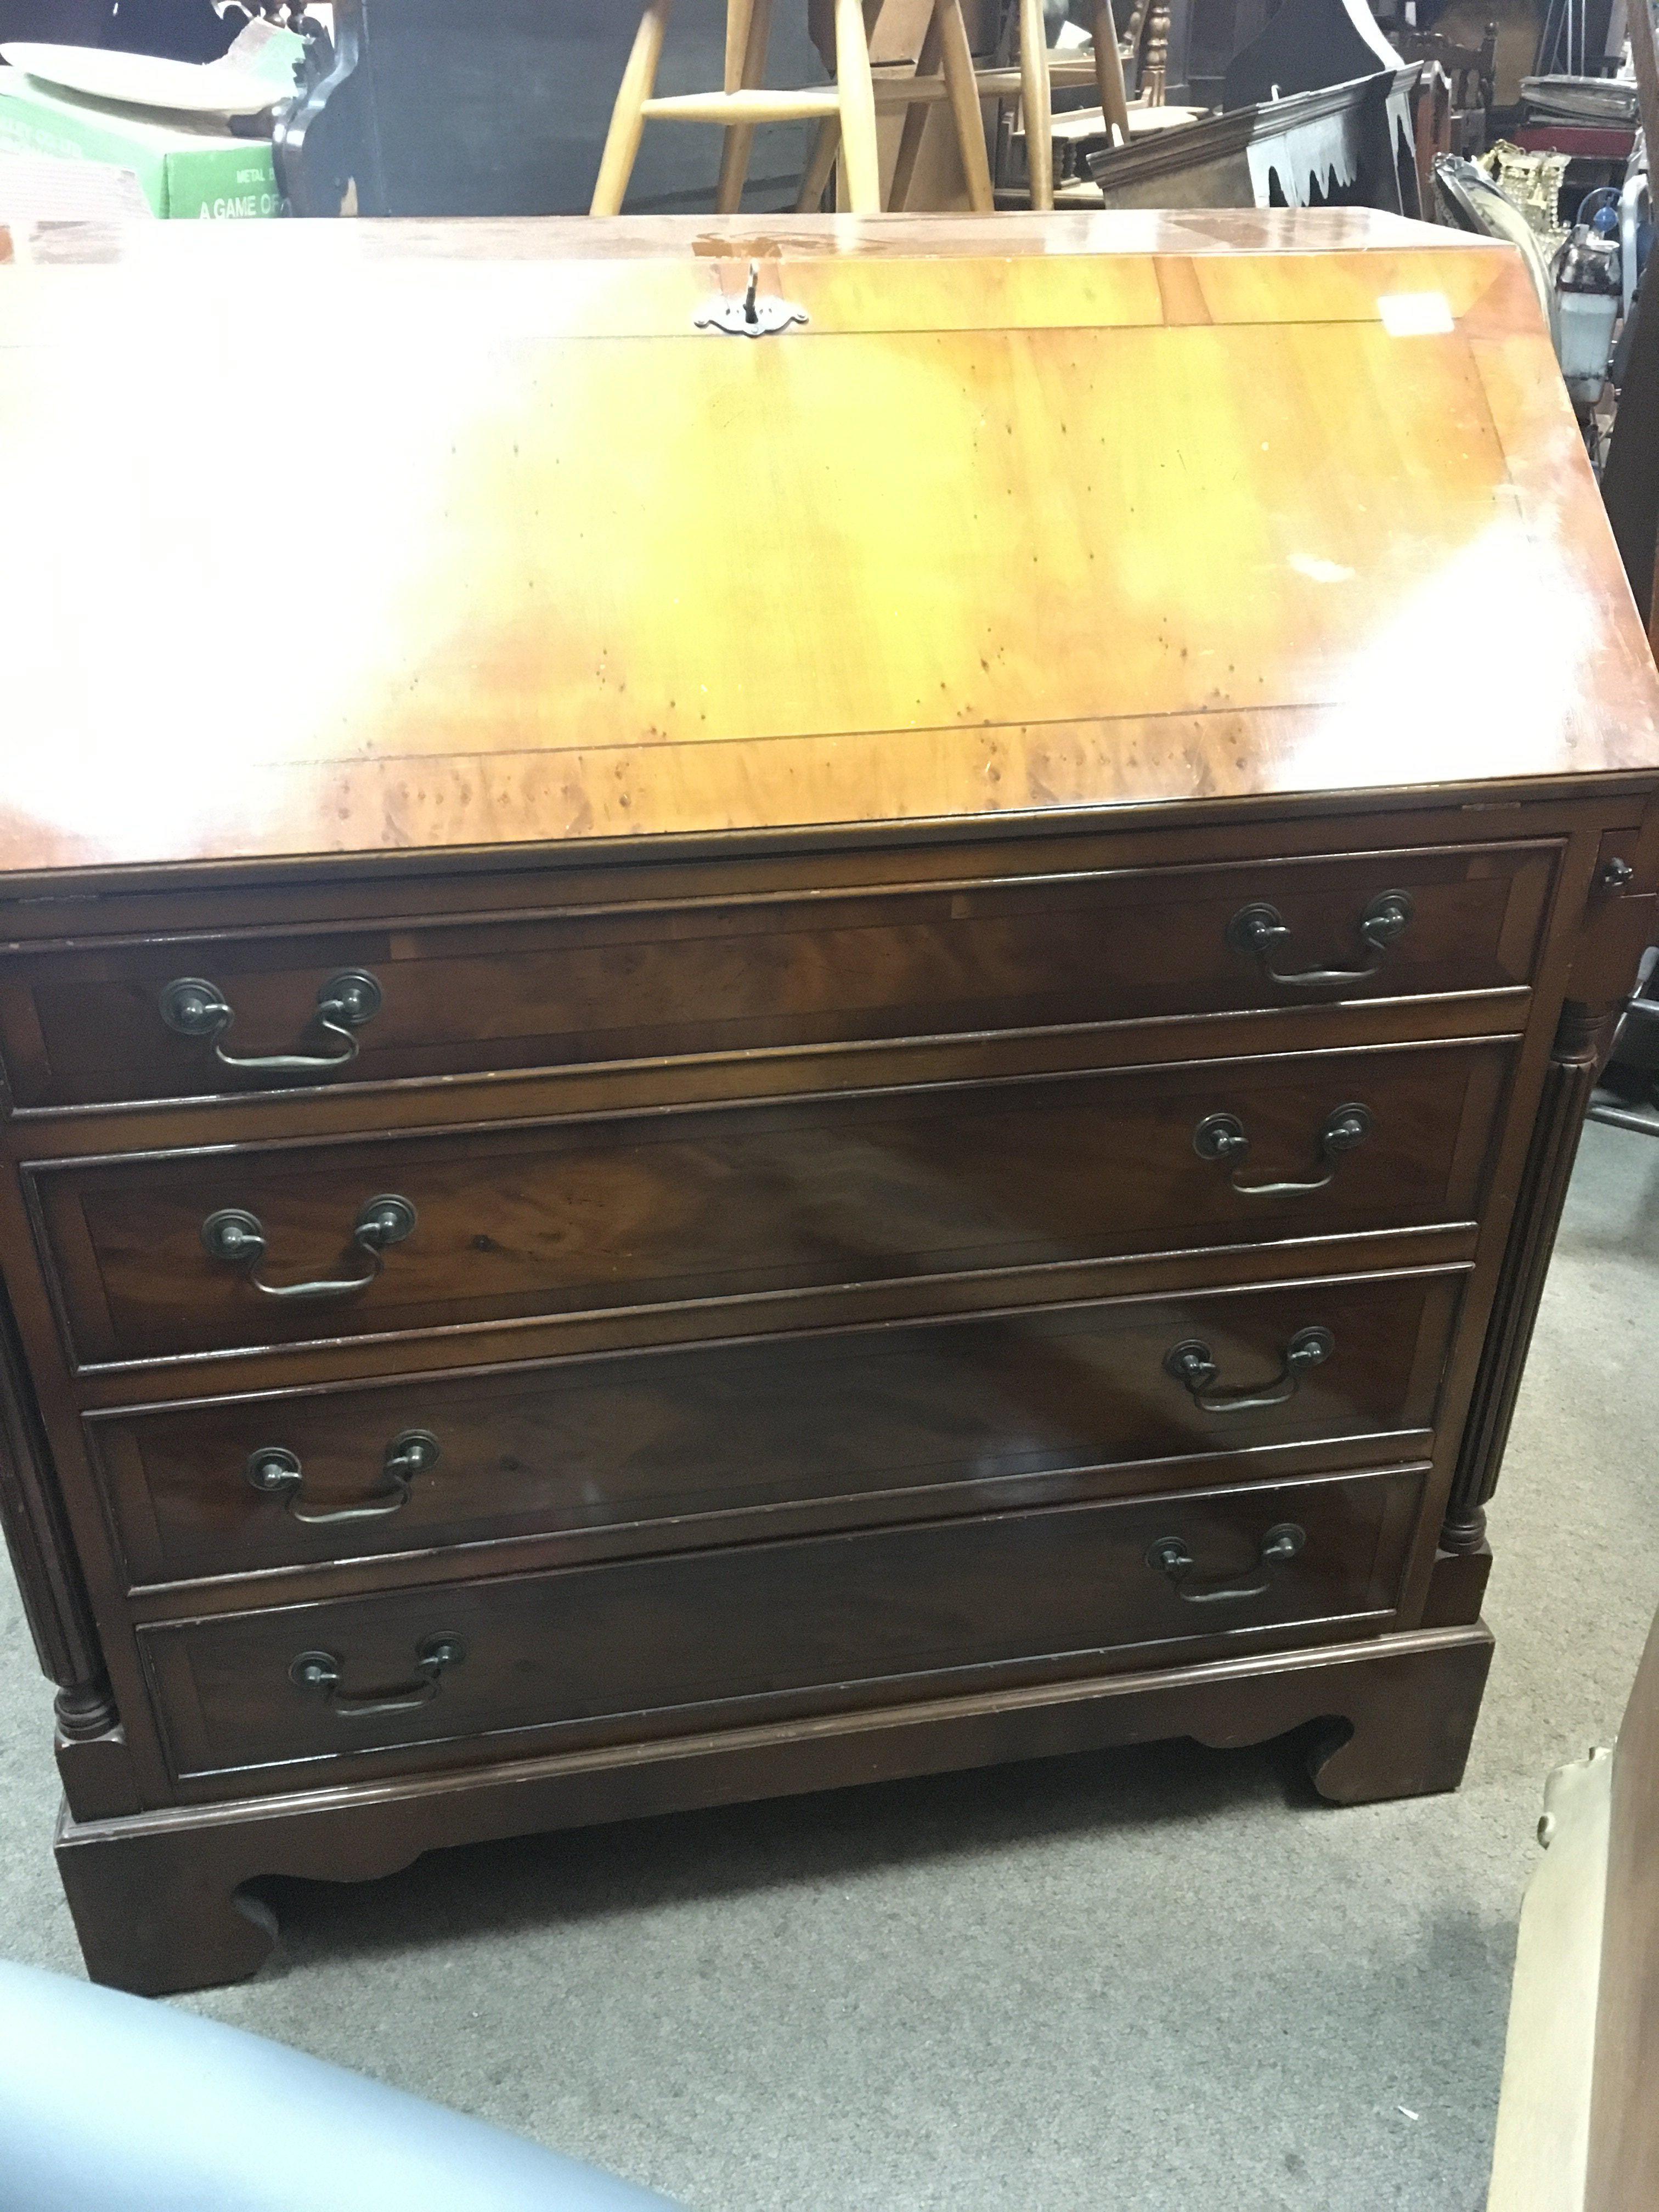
1164 1978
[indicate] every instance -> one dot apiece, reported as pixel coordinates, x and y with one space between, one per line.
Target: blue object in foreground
118 2104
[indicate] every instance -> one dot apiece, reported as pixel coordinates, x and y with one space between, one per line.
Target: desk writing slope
1180 507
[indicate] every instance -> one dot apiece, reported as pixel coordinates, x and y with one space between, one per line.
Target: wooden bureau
734 1063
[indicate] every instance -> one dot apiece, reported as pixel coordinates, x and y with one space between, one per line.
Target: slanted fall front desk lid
350 537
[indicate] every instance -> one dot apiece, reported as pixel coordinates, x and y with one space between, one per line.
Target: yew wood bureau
778 1005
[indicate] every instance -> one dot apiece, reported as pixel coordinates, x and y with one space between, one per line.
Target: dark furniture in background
75 22
1472 72
1346 145
1630 480
1307 45
1316 112
1216 31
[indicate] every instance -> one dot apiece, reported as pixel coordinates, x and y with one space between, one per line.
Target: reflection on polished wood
594 574
769 1202
756 971
584 1458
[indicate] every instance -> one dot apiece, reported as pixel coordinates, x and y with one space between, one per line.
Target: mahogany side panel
93 1752
1581 1043
49 1578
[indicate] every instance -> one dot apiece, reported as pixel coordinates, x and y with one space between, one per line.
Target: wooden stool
1039 73
846 110
944 70
743 102
1033 80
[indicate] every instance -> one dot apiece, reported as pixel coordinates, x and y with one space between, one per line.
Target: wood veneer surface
1118 512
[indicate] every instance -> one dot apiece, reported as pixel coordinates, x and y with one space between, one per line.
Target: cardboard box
186 165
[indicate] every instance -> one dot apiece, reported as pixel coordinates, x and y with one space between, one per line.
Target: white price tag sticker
1415 314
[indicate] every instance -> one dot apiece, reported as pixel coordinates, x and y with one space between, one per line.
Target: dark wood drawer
708 1442
700 1206
660 1645
84 1024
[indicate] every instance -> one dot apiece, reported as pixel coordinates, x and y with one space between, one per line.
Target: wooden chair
846 110
1471 73
1033 81
743 102
1039 72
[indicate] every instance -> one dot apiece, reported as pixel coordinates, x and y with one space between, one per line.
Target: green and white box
187 165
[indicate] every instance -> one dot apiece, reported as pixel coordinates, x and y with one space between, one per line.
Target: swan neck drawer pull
1224 1137
197 1009
1278 1546
320 1670
1194 1367
238 1238
276 1472
1260 929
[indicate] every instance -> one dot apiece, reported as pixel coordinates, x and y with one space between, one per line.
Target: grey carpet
1164 1978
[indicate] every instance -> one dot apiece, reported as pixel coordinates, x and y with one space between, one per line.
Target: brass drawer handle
1259 928
1224 1137
238 1238
198 1009
1194 1368
1171 1556
320 1670
276 1472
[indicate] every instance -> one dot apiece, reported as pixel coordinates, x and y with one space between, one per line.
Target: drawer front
705 1205
705 1443
89 1025
680 1642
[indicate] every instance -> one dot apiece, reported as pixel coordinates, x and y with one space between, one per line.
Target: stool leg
739 14
1034 102
857 93
916 122
960 83
751 70
1109 71
622 142
820 166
